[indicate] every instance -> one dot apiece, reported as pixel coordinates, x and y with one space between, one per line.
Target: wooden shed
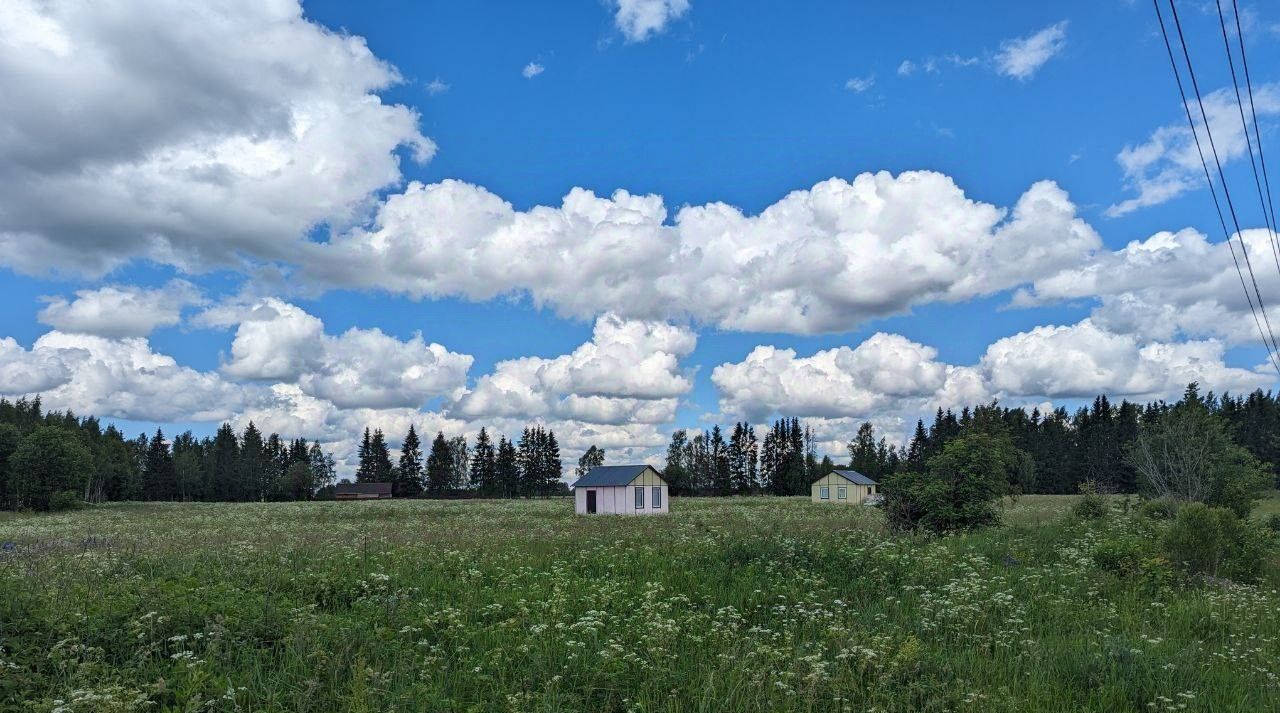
362 491
621 490
843 486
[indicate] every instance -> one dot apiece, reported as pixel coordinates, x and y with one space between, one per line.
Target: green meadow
742 604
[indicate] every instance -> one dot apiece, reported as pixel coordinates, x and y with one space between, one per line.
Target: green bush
1216 542
1273 522
1092 505
65 500
959 488
1121 555
1160 508
47 461
1189 454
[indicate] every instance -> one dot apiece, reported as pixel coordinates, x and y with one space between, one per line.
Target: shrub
1273 522
1160 508
1121 555
1214 541
1188 454
65 500
1092 505
959 489
48 460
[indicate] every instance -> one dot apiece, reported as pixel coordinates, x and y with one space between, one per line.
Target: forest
54 459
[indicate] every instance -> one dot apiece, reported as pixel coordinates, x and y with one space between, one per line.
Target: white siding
621 500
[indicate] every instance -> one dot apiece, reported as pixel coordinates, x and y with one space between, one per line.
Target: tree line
531 466
1056 450
43 455
56 459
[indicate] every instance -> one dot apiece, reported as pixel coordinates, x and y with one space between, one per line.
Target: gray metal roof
606 476
855 477
362 489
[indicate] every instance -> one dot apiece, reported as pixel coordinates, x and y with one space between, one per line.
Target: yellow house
844 487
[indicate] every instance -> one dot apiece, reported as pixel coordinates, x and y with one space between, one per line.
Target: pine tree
408 477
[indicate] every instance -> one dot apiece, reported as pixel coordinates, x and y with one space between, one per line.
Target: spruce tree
365 467
379 458
439 466
252 472
506 469
483 466
160 480
552 465
408 482
224 464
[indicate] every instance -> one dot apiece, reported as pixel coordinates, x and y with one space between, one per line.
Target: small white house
621 490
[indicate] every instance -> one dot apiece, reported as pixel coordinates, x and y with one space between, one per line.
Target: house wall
608 500
620 500
856 493
649 479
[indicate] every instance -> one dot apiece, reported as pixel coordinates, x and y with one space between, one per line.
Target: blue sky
739 103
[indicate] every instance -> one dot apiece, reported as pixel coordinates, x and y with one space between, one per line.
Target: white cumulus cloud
820 260
278 341
188 133
120 378
628 373
120 310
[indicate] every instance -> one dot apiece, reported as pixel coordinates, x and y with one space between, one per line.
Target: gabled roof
855 477
362 489
606 476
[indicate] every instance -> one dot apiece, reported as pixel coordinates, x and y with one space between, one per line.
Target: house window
657 497
639 498
842 493
824 493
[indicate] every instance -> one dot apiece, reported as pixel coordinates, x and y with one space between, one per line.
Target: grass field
728 604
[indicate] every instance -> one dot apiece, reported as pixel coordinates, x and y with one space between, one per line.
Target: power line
1222 176
1248 140
1177 75
1253 112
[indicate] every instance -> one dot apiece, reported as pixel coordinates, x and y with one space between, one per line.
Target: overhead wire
1270 208
1268 343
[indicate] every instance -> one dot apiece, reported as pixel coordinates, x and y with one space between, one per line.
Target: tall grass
757 604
